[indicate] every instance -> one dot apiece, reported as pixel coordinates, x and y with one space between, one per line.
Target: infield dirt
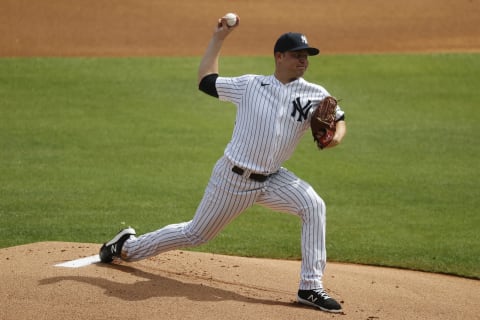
187 285
143 27
190 285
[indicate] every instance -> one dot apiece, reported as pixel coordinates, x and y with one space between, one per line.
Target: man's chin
301 71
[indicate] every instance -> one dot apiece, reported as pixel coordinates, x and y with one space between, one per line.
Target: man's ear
278 55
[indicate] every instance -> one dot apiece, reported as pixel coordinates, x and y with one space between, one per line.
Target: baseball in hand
231 19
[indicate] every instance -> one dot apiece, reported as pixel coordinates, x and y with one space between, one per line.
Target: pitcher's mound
189 285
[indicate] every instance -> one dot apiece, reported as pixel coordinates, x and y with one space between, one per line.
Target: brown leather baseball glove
323 122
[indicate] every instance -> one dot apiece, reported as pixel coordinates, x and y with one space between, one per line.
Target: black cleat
320 299
113 248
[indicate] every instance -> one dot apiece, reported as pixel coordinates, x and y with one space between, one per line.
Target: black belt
254 176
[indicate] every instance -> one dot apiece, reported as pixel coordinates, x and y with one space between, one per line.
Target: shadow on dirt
157 286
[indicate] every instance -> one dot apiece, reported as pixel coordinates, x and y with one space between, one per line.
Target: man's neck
284 80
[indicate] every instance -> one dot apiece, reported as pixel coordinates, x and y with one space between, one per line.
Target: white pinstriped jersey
271 118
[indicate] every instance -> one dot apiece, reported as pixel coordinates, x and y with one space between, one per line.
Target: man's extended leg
226 196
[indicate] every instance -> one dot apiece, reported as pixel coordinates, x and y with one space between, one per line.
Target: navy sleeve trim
207 85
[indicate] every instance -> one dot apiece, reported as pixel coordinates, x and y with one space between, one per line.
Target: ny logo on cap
304 39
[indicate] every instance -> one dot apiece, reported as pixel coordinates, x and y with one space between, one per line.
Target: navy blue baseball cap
293 41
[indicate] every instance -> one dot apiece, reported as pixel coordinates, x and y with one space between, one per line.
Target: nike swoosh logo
264 84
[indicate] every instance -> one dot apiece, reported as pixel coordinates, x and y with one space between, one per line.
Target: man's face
293 63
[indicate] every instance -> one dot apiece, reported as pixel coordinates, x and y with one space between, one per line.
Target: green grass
91 144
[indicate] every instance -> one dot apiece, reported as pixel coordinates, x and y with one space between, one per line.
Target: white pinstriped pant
228 195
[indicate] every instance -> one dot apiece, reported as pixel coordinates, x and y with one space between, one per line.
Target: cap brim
311 51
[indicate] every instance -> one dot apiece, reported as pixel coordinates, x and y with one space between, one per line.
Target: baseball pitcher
273 112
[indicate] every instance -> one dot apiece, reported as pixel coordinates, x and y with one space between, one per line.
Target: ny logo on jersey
302 110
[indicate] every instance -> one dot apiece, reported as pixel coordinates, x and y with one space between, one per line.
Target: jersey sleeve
232 88
339 114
